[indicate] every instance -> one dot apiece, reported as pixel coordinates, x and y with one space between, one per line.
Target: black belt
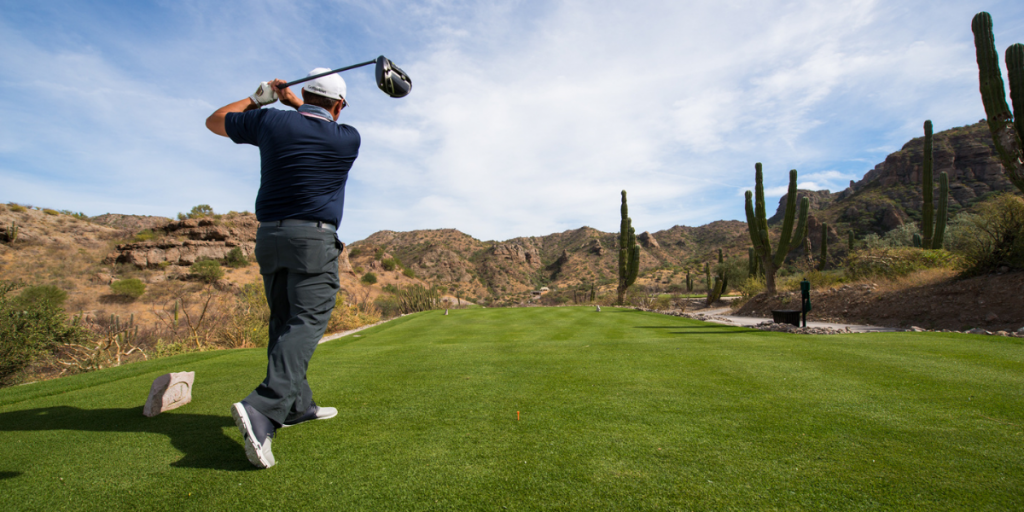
301 222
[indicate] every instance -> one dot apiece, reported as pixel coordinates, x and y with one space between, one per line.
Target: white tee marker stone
169 391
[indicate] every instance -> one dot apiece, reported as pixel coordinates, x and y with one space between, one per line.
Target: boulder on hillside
647 240
516 254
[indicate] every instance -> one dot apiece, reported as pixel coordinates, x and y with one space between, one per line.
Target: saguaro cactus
721 282
629 252
932 227
1007 129
850 240
689 282
758 224
823 259
753 264
707 278
940 217
926 181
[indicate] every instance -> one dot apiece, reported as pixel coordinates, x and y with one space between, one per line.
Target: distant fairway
619 410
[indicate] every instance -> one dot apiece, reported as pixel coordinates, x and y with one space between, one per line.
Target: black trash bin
786 316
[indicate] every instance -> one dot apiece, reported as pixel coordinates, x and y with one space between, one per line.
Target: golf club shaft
339 70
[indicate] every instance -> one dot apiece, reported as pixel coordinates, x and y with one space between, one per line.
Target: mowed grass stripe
618 410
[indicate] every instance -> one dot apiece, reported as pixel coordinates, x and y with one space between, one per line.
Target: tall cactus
758 225
707 278
689 282
940 217
721 271
823 259
721 281
928 210
851 240
629 252
1006 128
933 225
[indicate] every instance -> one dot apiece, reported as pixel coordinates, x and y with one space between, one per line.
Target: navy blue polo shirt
304 161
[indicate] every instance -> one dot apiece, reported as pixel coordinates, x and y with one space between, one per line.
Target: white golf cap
329 86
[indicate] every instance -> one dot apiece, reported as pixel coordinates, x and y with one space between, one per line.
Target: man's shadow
200 437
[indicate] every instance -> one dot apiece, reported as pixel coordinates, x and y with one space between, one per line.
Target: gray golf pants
299 265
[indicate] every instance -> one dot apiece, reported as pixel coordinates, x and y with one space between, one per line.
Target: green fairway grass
617 410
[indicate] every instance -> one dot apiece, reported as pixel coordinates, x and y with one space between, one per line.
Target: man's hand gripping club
266 93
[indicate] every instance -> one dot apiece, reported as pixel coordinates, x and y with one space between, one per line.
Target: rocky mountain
888 196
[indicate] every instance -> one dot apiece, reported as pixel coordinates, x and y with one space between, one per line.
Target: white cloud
525 117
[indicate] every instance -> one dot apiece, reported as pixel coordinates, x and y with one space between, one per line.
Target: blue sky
526 118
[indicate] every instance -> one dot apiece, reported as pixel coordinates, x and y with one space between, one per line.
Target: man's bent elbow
215 124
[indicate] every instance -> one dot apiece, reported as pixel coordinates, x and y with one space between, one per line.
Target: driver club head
391 79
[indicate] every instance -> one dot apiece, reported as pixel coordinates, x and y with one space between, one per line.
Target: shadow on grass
709 326
699 329
4 475
200 437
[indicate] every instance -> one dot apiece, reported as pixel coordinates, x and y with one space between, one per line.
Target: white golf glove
264 95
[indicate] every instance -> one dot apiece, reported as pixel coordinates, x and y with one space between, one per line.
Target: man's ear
336 111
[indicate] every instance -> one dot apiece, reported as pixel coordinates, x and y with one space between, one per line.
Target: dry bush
891 263
247 326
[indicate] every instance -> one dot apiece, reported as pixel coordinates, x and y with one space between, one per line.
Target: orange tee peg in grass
517 415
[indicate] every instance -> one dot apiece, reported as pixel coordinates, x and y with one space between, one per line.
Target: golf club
390 78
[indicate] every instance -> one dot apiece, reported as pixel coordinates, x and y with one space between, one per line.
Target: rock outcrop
517 254
186 241
647 240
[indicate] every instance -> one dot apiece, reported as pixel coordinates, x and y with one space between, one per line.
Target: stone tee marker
169 391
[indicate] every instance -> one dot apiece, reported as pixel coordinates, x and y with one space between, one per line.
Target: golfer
305 157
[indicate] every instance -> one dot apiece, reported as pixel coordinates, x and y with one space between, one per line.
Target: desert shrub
144 236
358 269
963 234
48 211
77 215
248 324
735 270
30 330
751 286
1000 241
409 273
235 258
355 252
389 264
208 271
17 208
346 317
379 253
200 211
409 299
36 294
825 279
662 303
369 278
388 305
129 289
902 236
891 263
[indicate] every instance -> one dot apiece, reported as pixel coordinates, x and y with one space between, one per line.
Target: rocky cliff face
184 242
890 194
